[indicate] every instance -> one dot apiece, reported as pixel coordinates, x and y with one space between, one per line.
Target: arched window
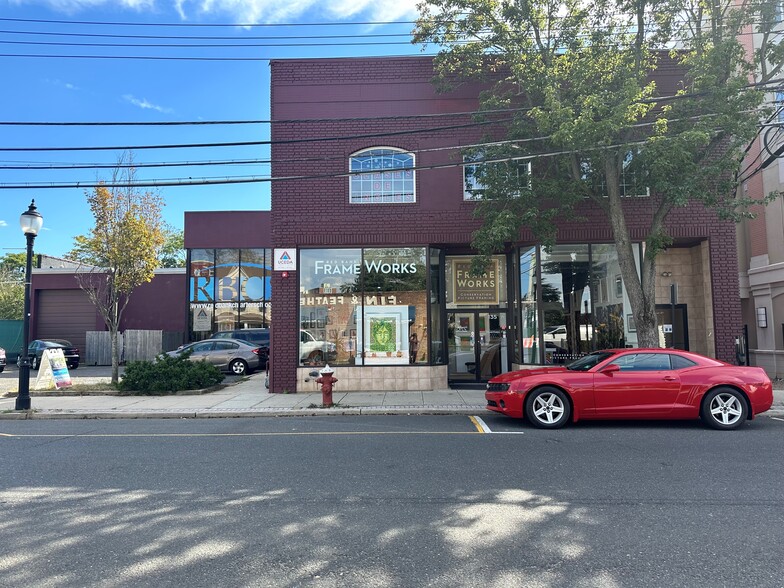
389 176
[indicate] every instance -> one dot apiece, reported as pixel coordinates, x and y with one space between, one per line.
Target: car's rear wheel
238 367
547 408
724 409
2 367
316 357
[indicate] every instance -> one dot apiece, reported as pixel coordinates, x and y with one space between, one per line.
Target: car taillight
257 351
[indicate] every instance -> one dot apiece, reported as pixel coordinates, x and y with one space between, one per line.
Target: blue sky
60 89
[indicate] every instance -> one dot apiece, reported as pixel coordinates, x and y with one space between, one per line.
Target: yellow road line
476 424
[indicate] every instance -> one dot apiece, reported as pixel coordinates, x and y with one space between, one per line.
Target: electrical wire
259 143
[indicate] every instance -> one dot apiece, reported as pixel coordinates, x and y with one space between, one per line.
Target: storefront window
395 330
366 309
254 283
613 316
566 303
464 289
529 317
227 289
438 349
201 294
330 306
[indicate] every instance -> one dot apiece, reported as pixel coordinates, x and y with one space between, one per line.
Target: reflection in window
632 181
390 177
528 309
330 305
477 176
611 303
363 307
566 303
644 362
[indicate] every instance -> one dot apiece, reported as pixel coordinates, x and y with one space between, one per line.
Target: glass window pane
615 327
395 329
529 316
566 303
386 165
330 300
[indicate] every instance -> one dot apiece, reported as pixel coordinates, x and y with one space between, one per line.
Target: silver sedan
229 355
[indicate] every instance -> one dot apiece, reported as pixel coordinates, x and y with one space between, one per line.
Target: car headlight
497 387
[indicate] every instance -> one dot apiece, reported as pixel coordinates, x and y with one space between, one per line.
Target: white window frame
476 192
623 183
353 174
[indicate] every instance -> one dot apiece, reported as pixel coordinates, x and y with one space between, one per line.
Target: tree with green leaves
12 270
577 81
172 252
121 250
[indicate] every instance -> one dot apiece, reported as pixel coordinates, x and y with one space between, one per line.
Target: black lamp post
31 222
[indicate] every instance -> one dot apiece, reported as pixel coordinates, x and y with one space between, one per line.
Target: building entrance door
675 330
477 345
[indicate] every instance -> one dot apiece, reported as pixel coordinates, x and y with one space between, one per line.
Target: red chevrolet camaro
633 384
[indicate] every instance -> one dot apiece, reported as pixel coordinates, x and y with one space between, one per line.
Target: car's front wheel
34 362
724 409
238 367
547 408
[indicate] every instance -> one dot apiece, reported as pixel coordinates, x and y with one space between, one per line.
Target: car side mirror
610 369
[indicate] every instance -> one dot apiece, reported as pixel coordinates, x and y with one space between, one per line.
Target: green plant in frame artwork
383 334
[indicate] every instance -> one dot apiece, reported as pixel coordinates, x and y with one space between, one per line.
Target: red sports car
633 384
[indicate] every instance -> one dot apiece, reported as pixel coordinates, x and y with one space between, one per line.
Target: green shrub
167 375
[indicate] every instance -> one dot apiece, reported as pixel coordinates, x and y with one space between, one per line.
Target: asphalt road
388 502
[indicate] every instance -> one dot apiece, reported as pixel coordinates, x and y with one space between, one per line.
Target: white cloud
272 11
61 84
145 104
73 6
3 223
252 11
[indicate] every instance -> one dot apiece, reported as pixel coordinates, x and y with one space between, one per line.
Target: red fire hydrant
327 381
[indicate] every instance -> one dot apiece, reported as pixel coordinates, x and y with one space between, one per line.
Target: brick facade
316 212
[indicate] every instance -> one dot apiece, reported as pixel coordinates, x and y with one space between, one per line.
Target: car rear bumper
508 403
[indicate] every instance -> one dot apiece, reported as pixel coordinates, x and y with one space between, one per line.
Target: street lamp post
31 222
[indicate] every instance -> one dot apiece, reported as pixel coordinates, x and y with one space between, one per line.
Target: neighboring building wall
317 213
157 305
761 245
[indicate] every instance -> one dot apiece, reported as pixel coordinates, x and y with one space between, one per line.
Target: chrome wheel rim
238 368
726 409
548 408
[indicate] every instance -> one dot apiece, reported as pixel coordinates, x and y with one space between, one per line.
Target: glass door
477 345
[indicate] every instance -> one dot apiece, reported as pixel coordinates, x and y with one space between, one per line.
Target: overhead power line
258 143
214 25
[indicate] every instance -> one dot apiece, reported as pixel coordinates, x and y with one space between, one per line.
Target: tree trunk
115 355
641 292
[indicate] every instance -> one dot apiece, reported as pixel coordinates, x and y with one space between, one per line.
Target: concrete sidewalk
249 398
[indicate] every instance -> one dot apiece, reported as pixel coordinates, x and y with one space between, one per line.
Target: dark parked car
235 356
36 350
2 360
258 336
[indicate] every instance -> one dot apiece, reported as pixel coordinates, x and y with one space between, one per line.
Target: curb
229 413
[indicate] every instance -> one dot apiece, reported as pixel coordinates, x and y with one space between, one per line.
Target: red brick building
341 229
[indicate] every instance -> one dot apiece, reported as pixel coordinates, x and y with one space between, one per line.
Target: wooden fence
135 345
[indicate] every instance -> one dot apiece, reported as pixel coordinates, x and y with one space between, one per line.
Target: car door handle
670 378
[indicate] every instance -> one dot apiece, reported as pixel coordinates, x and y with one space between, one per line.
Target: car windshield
585 363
